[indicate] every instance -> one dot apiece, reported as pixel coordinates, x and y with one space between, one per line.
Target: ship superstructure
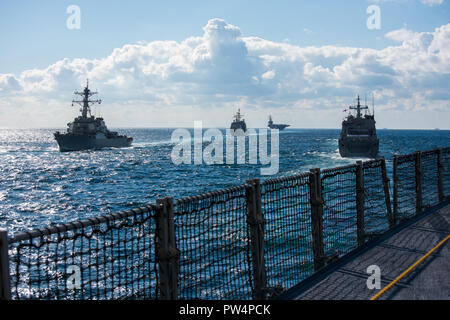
238 122
88 132
358 135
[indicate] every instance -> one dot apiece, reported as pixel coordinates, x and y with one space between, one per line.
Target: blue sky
34 36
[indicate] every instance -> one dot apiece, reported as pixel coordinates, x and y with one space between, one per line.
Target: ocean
39 186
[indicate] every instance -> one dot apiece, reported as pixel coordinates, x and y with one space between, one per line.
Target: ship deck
393 253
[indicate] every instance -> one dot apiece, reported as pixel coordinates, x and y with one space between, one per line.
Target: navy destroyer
87 131
238 122
272 125
359 136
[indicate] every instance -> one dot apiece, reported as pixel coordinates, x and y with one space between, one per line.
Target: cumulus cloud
225 69
402 34
432 2
425 2
8 82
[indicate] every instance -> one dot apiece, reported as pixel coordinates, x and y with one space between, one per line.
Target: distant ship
89 132
238 122
272 125
358 135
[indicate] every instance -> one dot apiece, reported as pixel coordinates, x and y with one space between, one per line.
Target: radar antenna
358 107
238 115
86 103
373 105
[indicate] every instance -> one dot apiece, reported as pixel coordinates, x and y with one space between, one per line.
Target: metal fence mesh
406 187
288 252
430 190
111 257
445 160
375 211
212 236
339 211
114 256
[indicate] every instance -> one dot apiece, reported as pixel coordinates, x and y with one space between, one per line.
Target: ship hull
238 125
278 126
73 142
359 147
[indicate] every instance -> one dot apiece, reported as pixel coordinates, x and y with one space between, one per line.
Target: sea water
40 186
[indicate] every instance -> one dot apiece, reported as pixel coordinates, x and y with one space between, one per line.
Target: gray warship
358 135
88 132
272 125
238 122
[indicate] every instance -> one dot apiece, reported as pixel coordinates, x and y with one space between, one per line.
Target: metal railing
252 241
212 237
110 257
288 254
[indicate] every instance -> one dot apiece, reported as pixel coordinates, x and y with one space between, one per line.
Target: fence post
440 167
316 217
166 252
418 171
360 203
255 222
387 195
174 253
395 189
5 291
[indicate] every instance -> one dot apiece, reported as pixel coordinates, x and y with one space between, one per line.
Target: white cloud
432 2
425 2
400 34
172 83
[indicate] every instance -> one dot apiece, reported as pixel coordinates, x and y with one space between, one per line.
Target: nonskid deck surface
430 280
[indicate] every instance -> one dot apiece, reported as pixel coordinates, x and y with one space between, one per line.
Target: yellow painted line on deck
390 285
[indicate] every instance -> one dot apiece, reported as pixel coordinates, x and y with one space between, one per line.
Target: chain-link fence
247 242
111 257
405 195
376 211
421 180
213 240
445 171
287 236
339 211
430 178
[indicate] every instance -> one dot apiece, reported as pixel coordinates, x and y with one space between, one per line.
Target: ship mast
238 115
373 106
85 103
358 108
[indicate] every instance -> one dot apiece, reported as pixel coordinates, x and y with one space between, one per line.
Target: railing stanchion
418 171
167 254
387 195
395 189
5 290
360 230
255 222
174 253
316 218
